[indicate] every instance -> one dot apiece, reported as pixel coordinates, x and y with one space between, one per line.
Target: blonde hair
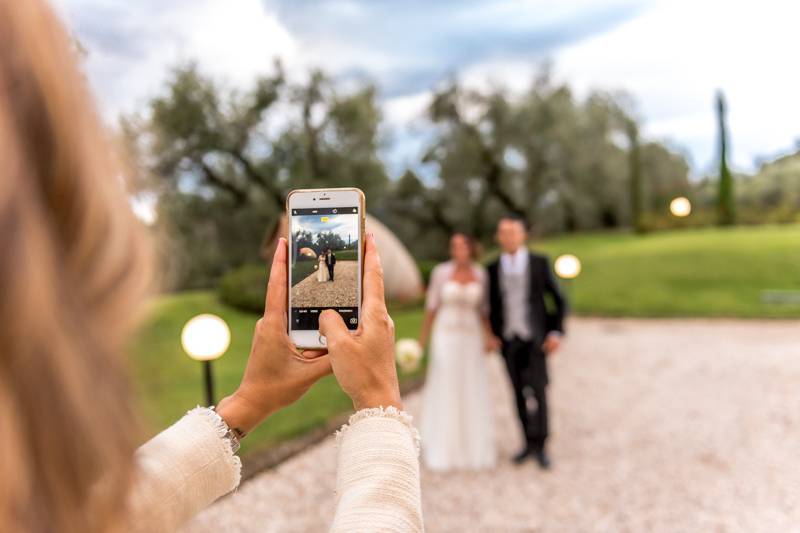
74 266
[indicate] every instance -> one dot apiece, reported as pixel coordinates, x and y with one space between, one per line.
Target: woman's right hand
277 373
363 361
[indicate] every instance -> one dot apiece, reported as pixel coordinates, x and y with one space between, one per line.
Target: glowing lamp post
568 267
680 207
205 338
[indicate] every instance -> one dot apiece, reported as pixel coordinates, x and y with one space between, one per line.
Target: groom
330 262
518 283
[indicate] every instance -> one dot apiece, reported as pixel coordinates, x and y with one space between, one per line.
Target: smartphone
326 250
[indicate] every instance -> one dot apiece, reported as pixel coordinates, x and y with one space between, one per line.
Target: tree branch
257 177
494 174
239 196
433 213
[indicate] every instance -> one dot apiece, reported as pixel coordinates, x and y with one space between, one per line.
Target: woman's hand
363 362
277 373
491 343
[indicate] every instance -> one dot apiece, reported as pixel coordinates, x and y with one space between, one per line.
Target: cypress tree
726 209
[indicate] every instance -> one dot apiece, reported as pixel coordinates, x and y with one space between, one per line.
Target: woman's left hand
277 373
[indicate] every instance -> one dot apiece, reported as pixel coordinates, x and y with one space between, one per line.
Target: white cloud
132 45
675 56
671 55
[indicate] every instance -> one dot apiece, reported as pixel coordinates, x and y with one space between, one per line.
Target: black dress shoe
542 458
521 456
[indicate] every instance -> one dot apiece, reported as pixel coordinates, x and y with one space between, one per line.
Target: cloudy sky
345 226
670 54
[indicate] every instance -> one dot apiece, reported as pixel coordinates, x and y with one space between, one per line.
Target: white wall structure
402 278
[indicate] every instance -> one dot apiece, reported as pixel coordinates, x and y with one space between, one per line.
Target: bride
322 268
456 421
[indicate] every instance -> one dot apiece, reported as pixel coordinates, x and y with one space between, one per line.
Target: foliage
661 185
635 179
425 268
559 162
200 238
221 159
328 239
167 383
726 204
244 287
197 131
774 190
692 272
304 239
241 151
302 269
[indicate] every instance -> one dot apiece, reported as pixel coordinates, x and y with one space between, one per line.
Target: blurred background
656 141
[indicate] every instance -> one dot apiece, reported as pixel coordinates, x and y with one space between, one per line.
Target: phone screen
324 264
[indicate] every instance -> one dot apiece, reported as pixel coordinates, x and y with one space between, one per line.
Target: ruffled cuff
182 470
377 479
381 412
220 428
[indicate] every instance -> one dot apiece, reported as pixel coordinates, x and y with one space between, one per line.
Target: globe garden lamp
568 266
204 338
680 207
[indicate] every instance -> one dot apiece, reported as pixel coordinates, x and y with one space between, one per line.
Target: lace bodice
443 291
463 295
459 307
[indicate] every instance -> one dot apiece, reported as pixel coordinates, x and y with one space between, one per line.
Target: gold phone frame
362 233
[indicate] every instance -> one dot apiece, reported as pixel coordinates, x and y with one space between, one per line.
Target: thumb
332 326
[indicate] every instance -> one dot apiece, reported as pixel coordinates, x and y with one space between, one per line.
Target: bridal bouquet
408 354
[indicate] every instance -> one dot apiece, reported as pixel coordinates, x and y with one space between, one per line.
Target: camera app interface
324 264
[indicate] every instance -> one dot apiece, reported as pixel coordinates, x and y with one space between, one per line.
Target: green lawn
168 383
706 272
302 269
698 272
346 255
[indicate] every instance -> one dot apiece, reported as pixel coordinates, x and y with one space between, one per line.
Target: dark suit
525 360
330 262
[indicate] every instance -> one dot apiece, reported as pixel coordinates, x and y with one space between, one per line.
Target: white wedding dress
456 419
322 269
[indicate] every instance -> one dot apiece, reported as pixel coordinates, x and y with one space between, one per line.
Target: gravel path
662 425
337 293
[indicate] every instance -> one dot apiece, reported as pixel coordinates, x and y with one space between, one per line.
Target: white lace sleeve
377 481
439 276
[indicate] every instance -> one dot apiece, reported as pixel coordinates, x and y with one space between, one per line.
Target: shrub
244 288
426 266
